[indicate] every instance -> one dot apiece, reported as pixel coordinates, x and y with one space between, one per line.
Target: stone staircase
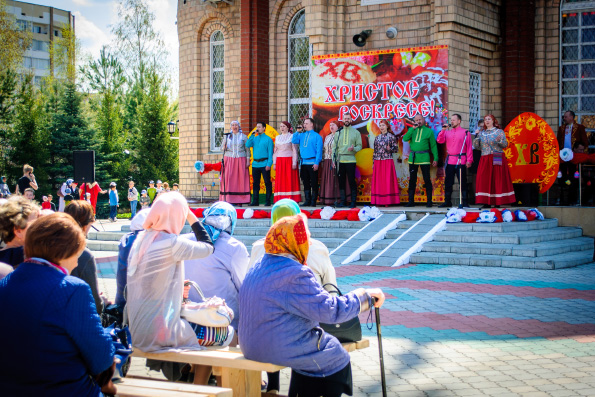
530 245
331 233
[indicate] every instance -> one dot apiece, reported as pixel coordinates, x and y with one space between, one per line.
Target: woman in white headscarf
235 181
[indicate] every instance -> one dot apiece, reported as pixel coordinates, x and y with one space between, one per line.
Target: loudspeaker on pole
84 165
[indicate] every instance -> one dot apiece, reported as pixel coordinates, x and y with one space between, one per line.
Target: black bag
349 331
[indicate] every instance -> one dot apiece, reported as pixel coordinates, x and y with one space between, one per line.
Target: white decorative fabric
327 213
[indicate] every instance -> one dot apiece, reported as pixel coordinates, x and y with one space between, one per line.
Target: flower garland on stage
456 215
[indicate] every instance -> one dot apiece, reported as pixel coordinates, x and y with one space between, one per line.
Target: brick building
248 60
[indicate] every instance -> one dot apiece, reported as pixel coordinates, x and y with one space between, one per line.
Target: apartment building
45 24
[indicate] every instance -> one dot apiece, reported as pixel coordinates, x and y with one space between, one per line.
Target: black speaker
84 165
526 194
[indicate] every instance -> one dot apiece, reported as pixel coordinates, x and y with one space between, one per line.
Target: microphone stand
459 167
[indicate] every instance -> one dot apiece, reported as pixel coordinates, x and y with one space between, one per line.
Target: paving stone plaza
451 330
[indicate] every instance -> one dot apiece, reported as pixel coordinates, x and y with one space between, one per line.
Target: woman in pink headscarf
156 275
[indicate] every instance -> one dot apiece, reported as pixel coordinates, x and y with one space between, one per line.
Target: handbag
211 312
349 331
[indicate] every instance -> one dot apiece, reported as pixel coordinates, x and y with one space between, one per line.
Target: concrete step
526 250
547 262
266 223
504 227
523 237
101 245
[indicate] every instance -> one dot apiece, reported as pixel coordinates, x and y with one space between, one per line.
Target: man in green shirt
347 142
421 141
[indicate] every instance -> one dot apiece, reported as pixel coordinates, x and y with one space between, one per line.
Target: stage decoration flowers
248 213
486 217
455 215
199 166
327 213
566 154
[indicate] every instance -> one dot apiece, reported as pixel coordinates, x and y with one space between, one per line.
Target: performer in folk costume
494 185
94 189
569 134
285 160
262 161
345 146
459 149
310 143
235 182
329 183
385 185
422 142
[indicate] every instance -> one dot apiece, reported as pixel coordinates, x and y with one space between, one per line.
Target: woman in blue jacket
54 342
282 305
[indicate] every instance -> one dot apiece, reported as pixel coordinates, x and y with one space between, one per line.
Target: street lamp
171 129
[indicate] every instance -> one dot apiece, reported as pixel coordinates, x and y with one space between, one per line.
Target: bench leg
242 382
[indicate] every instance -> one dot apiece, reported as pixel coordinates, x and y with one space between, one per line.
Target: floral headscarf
220 217
239 126
289 237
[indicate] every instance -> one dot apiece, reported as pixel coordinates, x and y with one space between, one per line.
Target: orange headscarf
289 236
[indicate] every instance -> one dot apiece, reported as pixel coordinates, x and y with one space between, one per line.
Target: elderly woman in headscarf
222 273
156 275
235 181
319 260
282 305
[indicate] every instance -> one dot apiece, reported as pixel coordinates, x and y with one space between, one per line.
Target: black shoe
314 198
307 200
429 204
410 204
353 198
253 204
343 202
445 205
485 206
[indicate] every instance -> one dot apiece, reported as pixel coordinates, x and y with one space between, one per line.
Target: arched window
217 90
299 105
577 71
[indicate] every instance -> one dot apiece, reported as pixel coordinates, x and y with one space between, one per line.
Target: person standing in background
285 159
385 185
494 184
422 142
151 191
132 198
52 205
329 183
347 143
94 189
113 202
235 182
311 144
569 134
262 161
145 201
27 180
459 149
4 190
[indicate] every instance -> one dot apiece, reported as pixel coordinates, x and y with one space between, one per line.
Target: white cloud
91 36
83 3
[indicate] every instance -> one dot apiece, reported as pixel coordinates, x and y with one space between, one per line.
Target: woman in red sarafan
385 185
494 184
94 189
285 158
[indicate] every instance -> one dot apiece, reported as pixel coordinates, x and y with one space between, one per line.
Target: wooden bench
142 387
237 373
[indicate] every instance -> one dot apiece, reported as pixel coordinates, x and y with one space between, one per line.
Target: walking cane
383 378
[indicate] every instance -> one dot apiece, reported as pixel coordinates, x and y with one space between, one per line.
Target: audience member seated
136 226
282 304
16 214
54 342
155 275
83 214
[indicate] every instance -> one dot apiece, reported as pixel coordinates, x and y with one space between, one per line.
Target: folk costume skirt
385 185
493 185
287 180
329 185
235 185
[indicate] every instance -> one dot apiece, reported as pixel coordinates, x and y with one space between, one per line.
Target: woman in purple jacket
282 305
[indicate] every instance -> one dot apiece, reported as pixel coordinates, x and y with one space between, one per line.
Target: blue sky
94 17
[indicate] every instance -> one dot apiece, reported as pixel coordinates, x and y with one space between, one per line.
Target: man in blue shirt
113 202
310 143
262 160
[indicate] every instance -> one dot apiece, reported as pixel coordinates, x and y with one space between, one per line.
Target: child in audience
145 201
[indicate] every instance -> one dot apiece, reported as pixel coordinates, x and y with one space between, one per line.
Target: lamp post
171 129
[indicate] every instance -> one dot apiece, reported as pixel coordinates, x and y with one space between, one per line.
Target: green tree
14 40
29 143
155 155
70 131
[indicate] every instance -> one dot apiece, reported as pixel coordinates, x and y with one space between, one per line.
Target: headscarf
239 126
220 217
137 222
289 237
288 125
167 214
282 208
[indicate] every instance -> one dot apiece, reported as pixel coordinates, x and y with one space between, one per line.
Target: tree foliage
14 41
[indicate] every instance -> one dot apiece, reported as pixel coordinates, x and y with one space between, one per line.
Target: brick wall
256 90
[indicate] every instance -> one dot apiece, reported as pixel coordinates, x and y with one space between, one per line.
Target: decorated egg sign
532 151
